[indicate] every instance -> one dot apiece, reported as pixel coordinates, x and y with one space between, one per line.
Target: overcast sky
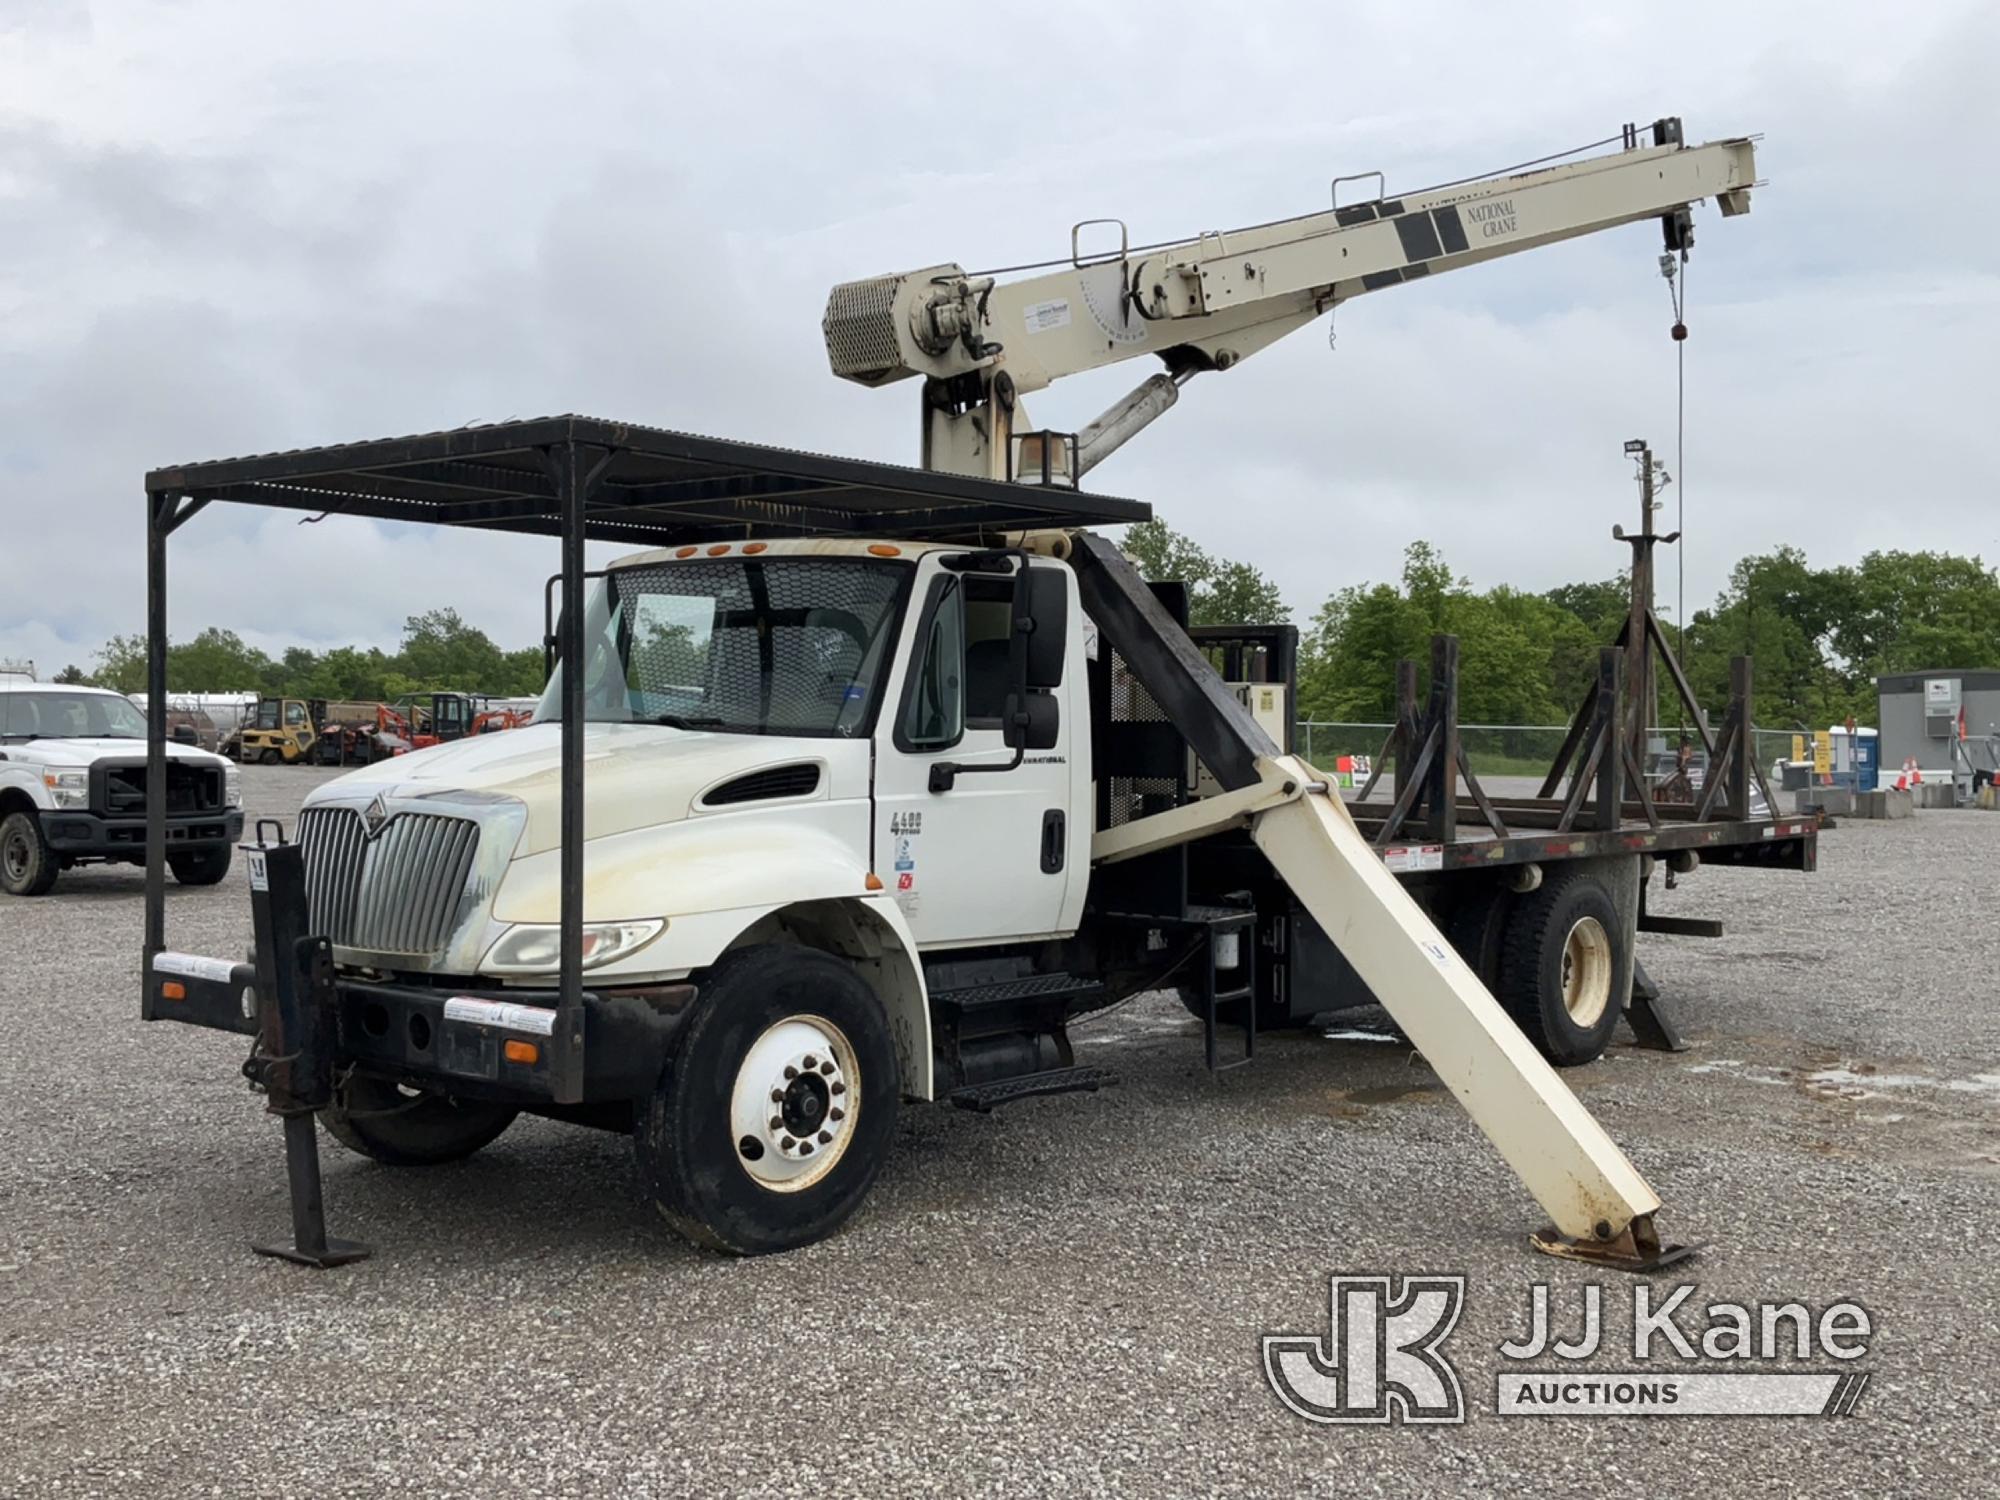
237 227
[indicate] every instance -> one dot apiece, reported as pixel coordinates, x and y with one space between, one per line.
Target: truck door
990 857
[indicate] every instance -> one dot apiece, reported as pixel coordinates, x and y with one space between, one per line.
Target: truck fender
21 789
870 933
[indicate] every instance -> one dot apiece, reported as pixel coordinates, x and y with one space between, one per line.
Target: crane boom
980 343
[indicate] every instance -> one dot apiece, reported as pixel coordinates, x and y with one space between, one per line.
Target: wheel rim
793 1107
1586 971
14 856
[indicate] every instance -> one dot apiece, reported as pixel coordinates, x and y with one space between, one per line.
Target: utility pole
1640 684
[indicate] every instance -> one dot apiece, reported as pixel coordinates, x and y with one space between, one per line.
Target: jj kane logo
1382 1359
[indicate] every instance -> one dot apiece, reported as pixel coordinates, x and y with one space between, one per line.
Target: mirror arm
945 773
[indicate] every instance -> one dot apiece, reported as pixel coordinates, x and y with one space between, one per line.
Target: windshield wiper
687 721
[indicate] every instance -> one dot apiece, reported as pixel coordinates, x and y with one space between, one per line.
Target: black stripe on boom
1354 213
1420 240
1376 280
1450 229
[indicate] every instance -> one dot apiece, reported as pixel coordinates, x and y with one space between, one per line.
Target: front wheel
203 867
777 1105
270 757
399 1128
28 866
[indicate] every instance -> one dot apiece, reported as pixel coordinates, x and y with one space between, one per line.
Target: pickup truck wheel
202 867
28 866
1558 962
777 1105
378 1120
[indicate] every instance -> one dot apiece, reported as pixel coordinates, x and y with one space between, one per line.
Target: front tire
378 1120
777 1106
203 867
28 866
271 757
1559 964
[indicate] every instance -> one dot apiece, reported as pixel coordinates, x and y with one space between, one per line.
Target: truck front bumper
474 1043
87 835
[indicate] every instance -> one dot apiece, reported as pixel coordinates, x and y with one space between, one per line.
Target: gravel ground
1064 1296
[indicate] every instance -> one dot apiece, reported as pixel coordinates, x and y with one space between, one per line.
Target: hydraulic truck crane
891 773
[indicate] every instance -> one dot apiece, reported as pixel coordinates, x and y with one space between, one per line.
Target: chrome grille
395 893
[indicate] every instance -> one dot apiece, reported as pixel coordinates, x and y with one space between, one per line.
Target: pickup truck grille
397 892
119 790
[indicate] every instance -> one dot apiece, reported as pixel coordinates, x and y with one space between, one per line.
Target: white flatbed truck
855 789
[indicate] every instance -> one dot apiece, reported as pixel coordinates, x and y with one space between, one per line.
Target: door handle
1054 838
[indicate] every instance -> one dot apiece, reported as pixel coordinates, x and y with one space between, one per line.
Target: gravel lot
1063 1296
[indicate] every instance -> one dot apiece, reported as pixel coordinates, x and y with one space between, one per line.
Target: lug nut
777 1123
790 1071
838 1087
811 1062
825 1136
836 1114
777 1096
827 1066
787 1144
805 1148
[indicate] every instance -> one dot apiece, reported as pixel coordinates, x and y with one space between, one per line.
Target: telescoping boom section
1601 1207
981 342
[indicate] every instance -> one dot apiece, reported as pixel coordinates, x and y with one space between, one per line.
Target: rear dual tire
1552 959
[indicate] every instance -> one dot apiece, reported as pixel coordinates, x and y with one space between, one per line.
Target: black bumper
92 835
415 1034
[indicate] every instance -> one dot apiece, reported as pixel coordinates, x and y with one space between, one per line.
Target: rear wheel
777 1105
28 866
1559 964
201 867
270 757
403 1128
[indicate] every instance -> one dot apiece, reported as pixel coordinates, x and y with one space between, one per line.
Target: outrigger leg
1602 1208
293 1060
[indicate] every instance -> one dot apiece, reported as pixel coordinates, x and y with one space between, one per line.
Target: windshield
783 645
267 713
69 716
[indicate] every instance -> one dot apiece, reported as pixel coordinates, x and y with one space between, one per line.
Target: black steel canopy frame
575 478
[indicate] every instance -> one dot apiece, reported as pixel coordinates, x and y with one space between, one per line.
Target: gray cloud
227 230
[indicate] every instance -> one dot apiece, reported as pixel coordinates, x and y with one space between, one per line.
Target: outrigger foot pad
1636 1249
311 1245
332 1253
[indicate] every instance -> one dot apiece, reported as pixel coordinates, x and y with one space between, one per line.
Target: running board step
1038 988
985 1097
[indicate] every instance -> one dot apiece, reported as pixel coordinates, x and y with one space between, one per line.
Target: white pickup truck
73 790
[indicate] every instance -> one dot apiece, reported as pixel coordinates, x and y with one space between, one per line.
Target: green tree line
438 650
1819 636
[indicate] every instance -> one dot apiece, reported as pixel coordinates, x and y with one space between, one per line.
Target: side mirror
1041 604
1033 722
184 734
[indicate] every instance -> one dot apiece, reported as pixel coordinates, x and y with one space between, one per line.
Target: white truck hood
635 775
84 752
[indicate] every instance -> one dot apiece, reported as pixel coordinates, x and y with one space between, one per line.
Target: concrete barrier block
1836 801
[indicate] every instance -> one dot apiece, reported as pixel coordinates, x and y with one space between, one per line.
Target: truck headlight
232 787
535 947
68 788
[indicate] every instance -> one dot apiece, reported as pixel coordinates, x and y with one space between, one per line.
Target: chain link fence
1499 749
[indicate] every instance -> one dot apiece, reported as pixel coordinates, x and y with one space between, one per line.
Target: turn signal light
686 551
173 989
526 1053
883 549
873 882
751 549
718 549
